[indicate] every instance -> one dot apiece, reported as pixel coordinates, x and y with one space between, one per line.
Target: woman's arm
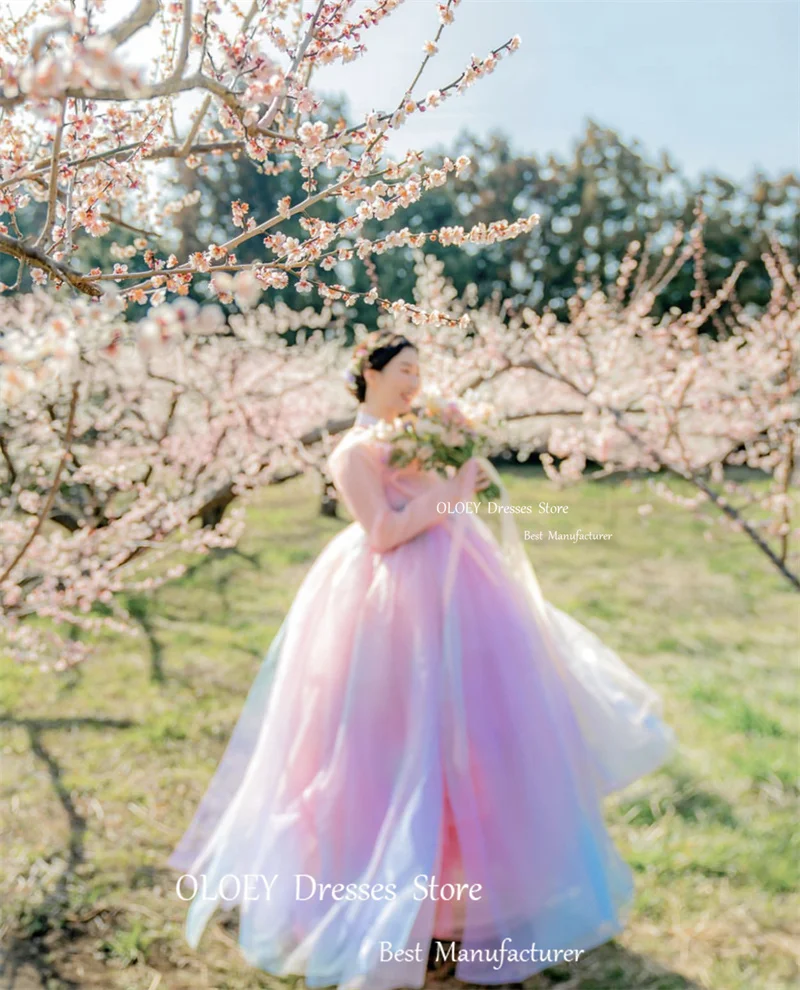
356 472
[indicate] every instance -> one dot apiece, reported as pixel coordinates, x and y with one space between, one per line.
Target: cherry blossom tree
160 432
118 432
83 132
126 438
617 388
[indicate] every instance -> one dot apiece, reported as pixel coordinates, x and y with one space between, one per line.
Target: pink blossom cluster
156 424
616 388
72 63
106 135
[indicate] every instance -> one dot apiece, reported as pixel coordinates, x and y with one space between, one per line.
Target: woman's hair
376 350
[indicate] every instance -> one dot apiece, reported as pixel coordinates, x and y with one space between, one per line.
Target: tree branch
135 21
692 477
53 197
36 258
275 106
45 510
166 151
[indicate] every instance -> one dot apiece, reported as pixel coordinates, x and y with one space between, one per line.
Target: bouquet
440 434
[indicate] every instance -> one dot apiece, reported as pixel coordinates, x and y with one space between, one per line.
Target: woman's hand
472 467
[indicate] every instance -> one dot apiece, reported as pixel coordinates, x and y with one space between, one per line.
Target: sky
716 83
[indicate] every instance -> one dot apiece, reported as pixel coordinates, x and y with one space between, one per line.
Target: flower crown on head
361 354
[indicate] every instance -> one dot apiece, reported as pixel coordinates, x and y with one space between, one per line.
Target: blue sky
714 82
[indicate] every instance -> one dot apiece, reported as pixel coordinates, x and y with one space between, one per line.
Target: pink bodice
392 504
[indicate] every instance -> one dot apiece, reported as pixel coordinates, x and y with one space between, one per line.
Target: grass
103 766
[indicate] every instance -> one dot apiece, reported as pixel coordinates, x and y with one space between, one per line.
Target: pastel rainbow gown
415 719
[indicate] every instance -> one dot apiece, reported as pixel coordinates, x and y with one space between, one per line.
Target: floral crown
361 354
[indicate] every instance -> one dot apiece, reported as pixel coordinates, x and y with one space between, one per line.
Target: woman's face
396 384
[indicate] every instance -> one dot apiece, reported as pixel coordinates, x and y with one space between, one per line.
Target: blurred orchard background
584 213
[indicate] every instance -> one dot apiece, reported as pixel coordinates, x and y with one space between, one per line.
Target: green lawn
102 766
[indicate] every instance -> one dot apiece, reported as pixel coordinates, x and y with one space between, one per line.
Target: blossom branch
51 205
277 100
48 503
36 258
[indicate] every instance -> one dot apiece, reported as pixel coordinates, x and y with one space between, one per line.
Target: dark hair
375 351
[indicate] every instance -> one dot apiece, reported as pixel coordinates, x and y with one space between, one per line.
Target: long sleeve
357 474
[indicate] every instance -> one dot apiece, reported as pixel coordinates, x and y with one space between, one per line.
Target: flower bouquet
442 433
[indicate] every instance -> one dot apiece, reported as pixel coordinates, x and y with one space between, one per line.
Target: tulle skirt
394 743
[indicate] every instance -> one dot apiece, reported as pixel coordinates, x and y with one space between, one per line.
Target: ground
103 766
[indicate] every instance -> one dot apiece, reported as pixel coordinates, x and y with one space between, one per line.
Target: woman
424 752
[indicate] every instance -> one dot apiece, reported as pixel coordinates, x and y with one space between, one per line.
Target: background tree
618 388
127 411
591 206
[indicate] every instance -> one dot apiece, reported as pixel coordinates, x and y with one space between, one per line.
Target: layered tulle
395 732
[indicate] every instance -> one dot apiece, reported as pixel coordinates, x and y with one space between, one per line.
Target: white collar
363 418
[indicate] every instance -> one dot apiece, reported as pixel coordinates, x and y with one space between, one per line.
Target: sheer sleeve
356 472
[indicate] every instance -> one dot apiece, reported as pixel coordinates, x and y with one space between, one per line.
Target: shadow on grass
200 563
683 796
25 957
609 967
23 967
139 608
142 608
